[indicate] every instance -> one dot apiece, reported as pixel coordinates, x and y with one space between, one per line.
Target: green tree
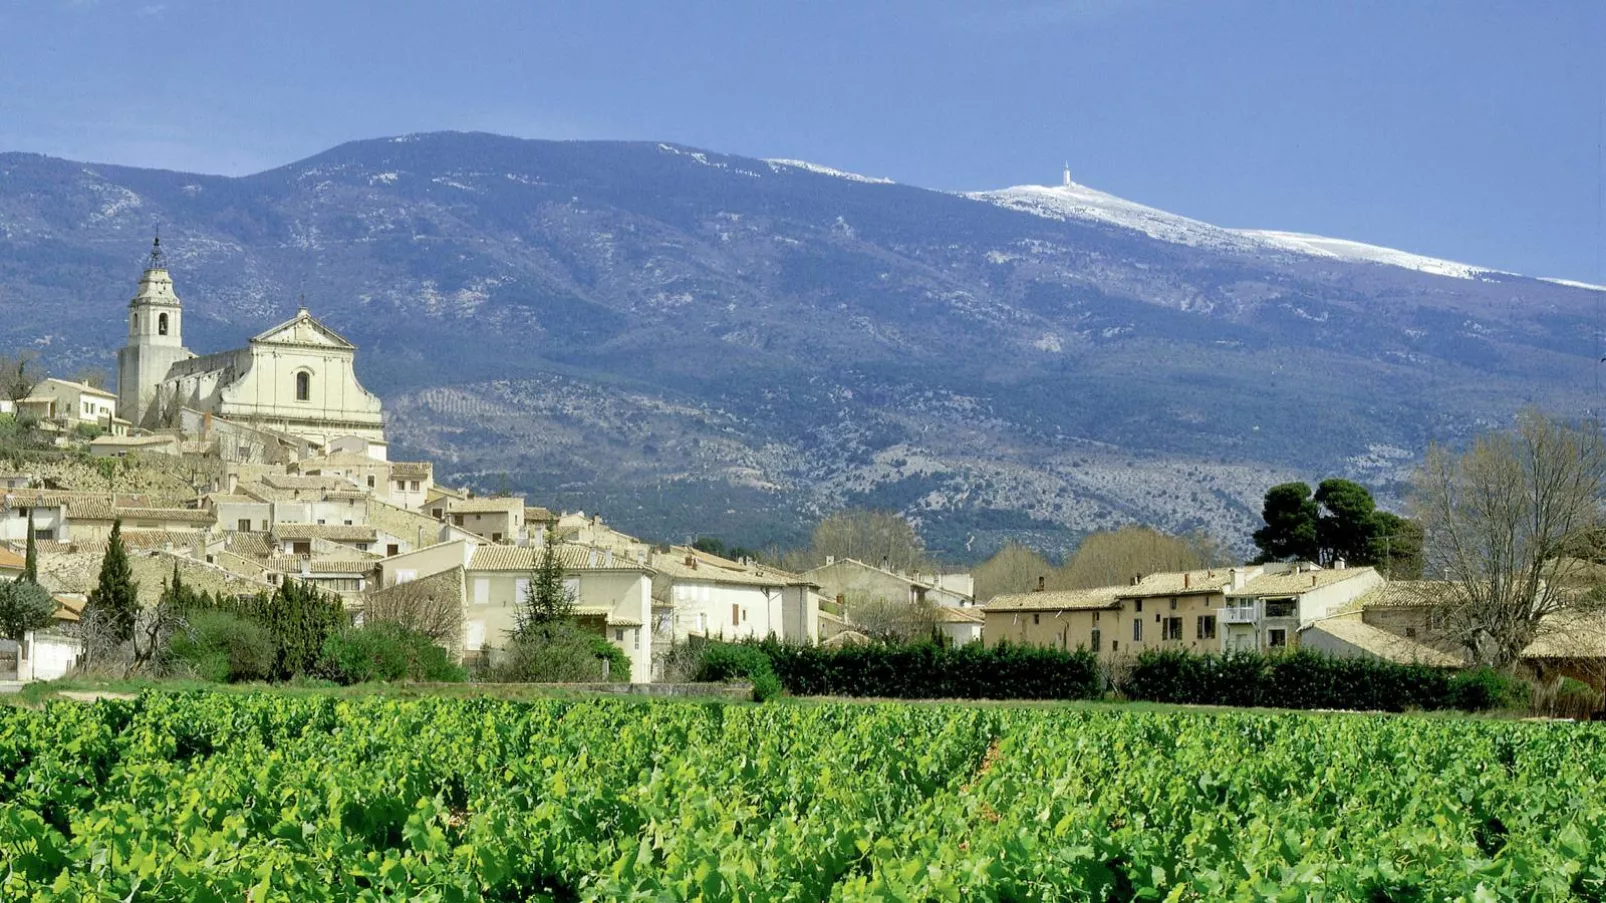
30 566
300 619
113 606
1395 547
1346 522
1290 532
547 600
24 606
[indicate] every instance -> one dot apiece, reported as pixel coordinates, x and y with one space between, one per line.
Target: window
1277 637
1115 645
496 537
1410 633
1036 619
392 549
1137 630
161 324
47 535
482 591
1207 627
457 519
362 546
1171 629
1095 617
436 512
736 615
370 481
136 322
303 386
1140 606
1173 603
1097 636
1281 608
320 521
347 522
244 525
415 486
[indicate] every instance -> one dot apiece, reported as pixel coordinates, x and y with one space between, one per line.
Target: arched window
161 324
303 386
136 322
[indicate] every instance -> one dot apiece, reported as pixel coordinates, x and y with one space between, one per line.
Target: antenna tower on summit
1067 182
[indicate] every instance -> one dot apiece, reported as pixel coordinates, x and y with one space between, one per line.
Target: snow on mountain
775 165
1072 201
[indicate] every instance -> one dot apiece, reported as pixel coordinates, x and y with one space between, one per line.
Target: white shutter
482 590
521 590
476 636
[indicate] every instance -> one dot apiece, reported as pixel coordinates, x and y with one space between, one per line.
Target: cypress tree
114 602
30 567
547 601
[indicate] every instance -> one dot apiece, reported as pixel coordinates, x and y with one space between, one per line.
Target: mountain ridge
704 342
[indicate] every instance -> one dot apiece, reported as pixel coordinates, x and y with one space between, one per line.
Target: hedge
1310 680
931 671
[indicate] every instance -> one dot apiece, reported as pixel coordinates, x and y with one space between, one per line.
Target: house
74 404
960 625
47 653
93 521
496 519
368 446
613 595
361 471
1063 619
1268 611
697 594
347 578
410 483
13 481
299 539
1172 610
1348 635
849 578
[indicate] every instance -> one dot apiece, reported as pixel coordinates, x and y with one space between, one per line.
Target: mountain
693 342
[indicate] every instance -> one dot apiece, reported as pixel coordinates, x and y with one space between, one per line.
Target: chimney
1312 579
691 561
607 559
1339 564
1187 579
1040 581
840 599
1238 577
830 559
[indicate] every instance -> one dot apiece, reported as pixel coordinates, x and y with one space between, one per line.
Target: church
298 377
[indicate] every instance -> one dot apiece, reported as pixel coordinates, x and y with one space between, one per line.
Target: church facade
298 377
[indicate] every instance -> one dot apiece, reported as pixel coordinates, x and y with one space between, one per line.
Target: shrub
1567 698
932 671
1311 680
384 651
223 647
560 653
732 661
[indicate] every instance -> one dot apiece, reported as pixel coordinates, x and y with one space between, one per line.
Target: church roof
302 329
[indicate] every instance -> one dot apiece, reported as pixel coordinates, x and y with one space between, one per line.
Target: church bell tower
155 340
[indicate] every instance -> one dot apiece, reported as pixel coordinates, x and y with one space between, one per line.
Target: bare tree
1015 568
1505 524
19 375
431 607
881 538
1114 558
94 377
891 620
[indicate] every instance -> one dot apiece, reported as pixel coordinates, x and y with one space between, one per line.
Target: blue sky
1469 130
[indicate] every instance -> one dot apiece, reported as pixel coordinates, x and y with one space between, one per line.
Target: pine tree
114 602
30 567
547 601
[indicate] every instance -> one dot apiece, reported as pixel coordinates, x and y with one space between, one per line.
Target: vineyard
231 797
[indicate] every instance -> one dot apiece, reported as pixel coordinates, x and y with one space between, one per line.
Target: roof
1382 644
1570 634
339 459
534 514
69 606
189 515
854 562
251 545
525 558
1100 597
155 539
714 569
292 564
486 505
1405 593
1179 583
302 329
299 481
1296 584
335 532
11 560
412 470
133 441
950 614
81 387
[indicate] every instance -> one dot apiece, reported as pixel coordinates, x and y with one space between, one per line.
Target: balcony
1238 614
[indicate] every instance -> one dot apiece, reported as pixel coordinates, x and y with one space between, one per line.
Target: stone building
298 377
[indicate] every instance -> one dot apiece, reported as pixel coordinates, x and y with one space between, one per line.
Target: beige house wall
424 562
491 603
1073 628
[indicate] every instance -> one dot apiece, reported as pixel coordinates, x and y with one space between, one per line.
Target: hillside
696 342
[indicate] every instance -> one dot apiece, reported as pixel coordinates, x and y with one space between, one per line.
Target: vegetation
881 538
547 601
113 607
384 651
223 647
1339 521
162 798
19 375
1107 558
24 606
1509 524
561 652
891 620
1309 680
713 545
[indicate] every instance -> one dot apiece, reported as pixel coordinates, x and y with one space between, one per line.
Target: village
243 470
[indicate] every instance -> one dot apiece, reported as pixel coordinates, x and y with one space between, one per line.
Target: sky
1468 130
